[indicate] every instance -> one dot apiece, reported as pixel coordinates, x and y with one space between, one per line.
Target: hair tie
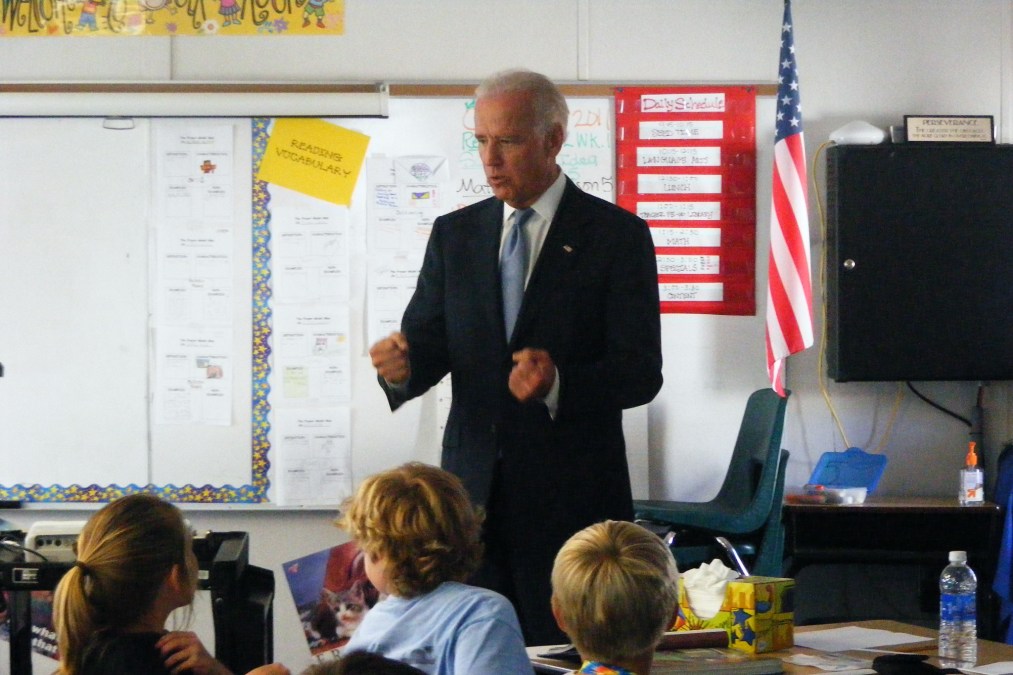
84 567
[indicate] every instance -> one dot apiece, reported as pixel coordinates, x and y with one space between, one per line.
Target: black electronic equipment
242 598
920 262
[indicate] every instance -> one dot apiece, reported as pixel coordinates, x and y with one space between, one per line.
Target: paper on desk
853 637
833 663
999 668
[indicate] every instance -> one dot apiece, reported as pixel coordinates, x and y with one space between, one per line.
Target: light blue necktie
513 269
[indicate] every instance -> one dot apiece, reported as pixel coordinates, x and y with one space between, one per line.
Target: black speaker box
920 262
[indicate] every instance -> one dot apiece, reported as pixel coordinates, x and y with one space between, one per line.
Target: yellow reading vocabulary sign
314 157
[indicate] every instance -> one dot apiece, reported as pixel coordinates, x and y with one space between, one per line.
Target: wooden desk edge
988 651
894 504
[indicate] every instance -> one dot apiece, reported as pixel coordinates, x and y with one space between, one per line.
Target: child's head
614 590
125 552
418 520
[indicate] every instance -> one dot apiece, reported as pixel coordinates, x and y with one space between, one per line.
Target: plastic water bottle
958 629
972 479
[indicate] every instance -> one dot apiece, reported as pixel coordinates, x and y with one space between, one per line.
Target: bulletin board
80 422
687 165
84 413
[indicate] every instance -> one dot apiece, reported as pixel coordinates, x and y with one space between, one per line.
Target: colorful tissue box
758 613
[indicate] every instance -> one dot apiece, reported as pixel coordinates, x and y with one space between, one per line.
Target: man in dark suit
535 426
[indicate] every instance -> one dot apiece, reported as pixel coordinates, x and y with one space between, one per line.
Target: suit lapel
485 263
562 243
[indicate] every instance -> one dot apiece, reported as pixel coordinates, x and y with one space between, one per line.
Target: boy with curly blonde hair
420 534
614 592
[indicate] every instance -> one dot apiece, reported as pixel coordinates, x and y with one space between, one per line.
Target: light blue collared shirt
537 228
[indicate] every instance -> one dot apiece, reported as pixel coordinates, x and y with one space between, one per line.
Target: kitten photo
332 595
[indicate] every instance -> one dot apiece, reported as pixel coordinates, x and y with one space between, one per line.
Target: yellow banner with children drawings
27 18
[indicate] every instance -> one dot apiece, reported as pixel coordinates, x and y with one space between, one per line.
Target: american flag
789 287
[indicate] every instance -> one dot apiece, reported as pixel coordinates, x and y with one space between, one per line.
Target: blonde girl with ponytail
135 566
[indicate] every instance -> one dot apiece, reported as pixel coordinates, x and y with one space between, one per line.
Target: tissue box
758 613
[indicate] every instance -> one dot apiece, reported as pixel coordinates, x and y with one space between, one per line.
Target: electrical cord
940 407
13 545
820 369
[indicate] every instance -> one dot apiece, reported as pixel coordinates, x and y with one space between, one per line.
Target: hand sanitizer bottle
972 479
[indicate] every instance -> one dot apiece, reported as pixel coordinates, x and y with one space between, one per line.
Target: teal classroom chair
746 512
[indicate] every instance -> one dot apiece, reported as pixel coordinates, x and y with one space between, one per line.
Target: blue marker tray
849 469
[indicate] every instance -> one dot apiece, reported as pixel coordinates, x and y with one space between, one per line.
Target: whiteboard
77 420
75 307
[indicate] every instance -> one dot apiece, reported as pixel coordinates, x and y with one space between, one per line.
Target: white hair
548 102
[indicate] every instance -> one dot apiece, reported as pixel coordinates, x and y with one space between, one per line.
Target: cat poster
331 594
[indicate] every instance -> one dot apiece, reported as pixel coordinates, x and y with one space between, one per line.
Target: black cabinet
920 262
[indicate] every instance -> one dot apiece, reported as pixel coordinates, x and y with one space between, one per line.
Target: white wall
857 60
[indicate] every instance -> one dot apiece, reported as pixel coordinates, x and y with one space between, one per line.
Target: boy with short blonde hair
614 593
420 535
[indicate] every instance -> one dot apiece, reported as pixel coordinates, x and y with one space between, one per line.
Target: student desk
988 652
916 531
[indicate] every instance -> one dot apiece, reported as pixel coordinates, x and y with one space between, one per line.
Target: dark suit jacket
592 303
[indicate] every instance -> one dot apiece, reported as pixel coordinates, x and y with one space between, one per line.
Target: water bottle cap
958 556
